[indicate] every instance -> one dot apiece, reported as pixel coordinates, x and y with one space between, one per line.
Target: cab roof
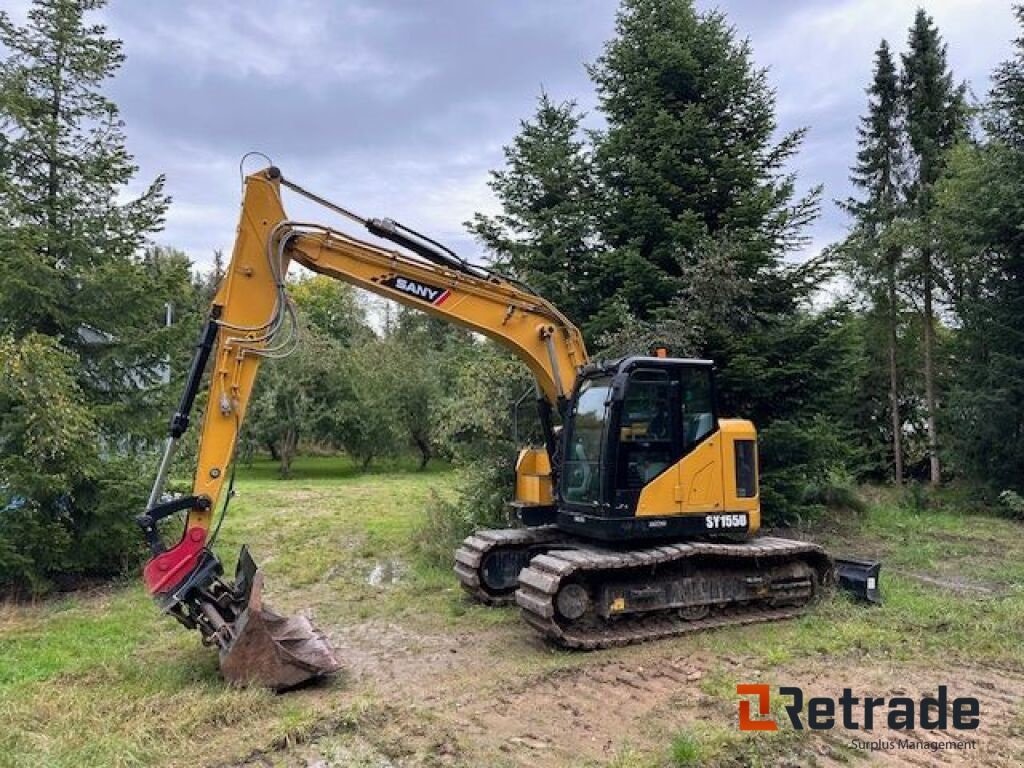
645 361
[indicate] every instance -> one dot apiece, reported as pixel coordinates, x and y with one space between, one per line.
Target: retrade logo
821 713
764 708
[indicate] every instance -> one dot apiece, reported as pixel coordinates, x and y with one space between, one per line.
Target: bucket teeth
272 650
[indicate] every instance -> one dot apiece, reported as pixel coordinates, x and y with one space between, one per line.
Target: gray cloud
400 108
820 57
396 108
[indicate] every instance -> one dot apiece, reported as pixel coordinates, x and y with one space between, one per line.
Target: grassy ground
100 679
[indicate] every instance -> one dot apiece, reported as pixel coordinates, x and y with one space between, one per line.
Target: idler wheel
572 601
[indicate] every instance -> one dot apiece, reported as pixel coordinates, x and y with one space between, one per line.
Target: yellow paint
246 296
618 605
499 310
702 487
704 481
533 476
550 345
659 496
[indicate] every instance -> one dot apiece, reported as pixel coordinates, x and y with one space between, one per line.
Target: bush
1013 504
446 523
478 431
32 546
105 538
66 507
837 492
485 487
918 497
798 461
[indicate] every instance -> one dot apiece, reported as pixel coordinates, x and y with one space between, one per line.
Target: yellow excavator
636 516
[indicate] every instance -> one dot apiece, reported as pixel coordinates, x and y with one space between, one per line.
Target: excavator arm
251 319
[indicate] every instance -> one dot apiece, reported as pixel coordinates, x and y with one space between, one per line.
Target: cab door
691 483
650 442
700 470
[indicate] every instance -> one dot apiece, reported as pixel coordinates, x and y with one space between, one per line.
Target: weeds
685 750
1012 503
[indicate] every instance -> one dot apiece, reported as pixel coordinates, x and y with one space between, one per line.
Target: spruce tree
544 235
935 118
82 304
689 153
875 253
699 215
1005 118
69 246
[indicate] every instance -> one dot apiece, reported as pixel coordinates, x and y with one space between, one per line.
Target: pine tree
544 235
1005 119
935 118
1006 114
876 255
69 247
688 154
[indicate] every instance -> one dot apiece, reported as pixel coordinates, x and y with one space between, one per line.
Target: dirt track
431 680
471 699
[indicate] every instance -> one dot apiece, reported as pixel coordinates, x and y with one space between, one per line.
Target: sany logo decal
822 713
422 291
748 723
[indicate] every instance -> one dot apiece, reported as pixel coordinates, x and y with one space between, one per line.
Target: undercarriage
578 594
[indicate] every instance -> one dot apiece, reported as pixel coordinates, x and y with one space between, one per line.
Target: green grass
710 744
687 750
952 584
100 678
707 744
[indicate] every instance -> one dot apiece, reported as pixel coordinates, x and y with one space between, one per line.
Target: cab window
582 479
696 406
646 430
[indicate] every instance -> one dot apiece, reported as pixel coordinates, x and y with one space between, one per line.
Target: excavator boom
252 319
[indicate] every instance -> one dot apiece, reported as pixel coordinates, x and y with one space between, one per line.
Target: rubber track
540 582
470 555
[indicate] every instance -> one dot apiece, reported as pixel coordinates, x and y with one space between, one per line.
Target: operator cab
644 454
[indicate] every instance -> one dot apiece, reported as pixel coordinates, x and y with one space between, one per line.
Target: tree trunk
894 391
929 372
286 451
424 448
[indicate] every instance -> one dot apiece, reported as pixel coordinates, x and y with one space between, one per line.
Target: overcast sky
401 107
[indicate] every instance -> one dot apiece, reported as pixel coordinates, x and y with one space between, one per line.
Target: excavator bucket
269 649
